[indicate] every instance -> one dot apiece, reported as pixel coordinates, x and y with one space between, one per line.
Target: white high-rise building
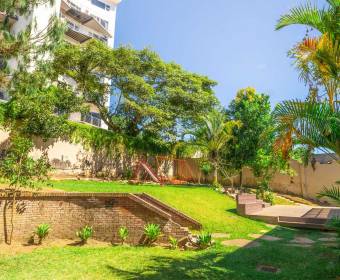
85 19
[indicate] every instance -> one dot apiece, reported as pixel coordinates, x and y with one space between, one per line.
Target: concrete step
247 209
302 220
302 225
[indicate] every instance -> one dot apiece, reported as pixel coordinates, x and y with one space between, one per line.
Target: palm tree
215 132
318 58
314 122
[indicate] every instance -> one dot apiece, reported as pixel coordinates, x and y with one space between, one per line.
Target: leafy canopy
152 101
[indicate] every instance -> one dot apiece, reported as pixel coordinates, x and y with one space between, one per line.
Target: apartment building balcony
11 19
73 13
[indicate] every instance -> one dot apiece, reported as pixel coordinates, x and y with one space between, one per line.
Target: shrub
173 242
123 234
42 231
204 240
85 233
265 193
152 232
206 168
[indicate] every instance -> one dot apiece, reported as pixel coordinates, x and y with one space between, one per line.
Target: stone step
302 220
247 209
302 225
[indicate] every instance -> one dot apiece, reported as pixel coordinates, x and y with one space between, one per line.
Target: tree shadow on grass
242 263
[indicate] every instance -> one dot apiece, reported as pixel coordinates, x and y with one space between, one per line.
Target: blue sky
232 42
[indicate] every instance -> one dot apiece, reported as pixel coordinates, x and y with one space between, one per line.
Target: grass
158 263
217 214
215 211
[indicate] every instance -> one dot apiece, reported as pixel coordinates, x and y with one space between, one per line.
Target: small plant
173 242
123 234
204 240
85 233
42 231
206 168
152 232
265 193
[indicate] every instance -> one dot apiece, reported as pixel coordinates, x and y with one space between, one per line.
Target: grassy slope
216 212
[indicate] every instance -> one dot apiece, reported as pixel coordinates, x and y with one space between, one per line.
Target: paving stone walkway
302 240
246 243
265 237
220 235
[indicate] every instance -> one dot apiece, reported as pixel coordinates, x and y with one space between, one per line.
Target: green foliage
265 193
154 100
19 169
204 240
206 167
42 231
332 192
123 234
314 124
173 242
212 136
152 232
253 111
323 20
85 233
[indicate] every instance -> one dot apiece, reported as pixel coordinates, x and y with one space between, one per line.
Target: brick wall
68 212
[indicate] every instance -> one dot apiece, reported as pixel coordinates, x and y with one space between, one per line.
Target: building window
91 118
101 5
103 22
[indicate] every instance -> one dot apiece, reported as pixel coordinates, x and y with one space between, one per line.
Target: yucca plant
123 234
204 240
152 232
85 233
42 232
173 242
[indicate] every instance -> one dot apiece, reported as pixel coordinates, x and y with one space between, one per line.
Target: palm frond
314 124
332 192
306 15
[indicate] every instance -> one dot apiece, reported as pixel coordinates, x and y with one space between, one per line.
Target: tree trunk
215 180
241 178
12 218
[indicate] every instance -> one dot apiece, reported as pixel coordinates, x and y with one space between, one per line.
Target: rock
183 241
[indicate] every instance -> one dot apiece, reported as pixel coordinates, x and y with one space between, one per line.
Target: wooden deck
303 216
297 216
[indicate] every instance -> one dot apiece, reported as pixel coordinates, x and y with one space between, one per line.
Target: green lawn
158 263
216 212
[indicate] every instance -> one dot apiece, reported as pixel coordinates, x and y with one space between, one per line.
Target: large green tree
37 106
252 109
153 102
